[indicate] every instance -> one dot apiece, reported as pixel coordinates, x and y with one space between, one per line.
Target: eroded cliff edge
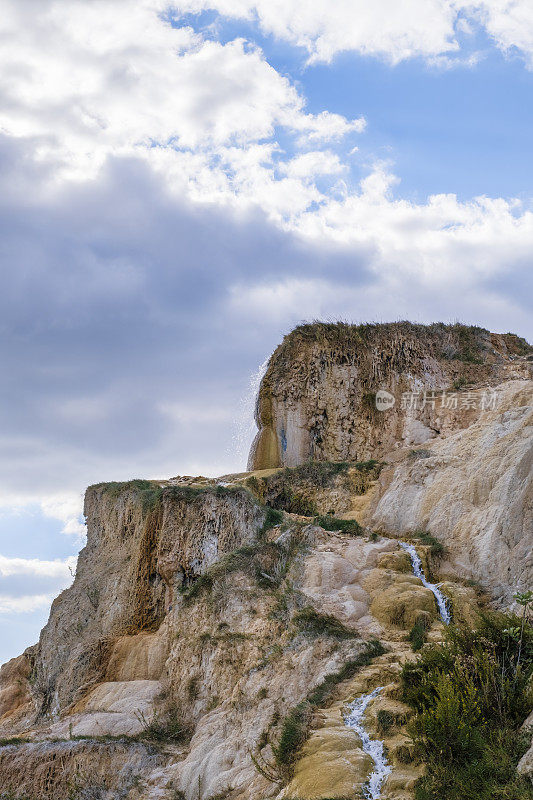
458 440
208 616
317 398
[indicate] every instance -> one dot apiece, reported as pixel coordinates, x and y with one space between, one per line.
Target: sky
181 184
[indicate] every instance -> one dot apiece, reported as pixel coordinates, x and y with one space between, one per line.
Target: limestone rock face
143 541
474 491
62 769
16 704
317 398
205 612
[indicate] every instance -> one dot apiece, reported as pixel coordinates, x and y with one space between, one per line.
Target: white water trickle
244 421
433 587
373 747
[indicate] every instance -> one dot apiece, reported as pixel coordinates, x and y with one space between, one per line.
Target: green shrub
314 623
386 720
330 523
294 733
273 518
459 383
436 548
418 633
471 694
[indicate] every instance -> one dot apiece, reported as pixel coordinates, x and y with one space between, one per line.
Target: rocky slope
212 620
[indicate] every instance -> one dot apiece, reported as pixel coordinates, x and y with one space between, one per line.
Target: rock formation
212 619
317 399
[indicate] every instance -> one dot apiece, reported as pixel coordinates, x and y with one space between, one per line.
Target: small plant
93 596
386 720
459 383
436 547
272 519
166 726
313 623
193 688
349 526
420 453
294 732
418 633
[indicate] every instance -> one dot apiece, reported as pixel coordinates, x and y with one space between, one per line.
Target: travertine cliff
209 619
144 540
458 441
317 398
473 490
226 645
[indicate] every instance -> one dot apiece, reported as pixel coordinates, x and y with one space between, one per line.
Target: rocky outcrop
474 491
66 769
144 540
243 641
458 440
317 399
207 616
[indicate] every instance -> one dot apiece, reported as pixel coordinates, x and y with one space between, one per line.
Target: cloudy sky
182 183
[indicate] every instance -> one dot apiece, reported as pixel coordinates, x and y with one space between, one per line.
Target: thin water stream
433 587
354 719
373 747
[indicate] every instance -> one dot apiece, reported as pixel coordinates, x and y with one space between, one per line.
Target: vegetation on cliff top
296 489
471 339
397 346
152 493
468 341
471 694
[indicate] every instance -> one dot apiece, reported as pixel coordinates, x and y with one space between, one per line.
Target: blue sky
181 184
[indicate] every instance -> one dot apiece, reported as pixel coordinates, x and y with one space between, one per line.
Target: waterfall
373 747
244 422
419 572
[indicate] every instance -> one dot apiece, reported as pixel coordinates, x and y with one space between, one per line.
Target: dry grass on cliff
463 342
313 623
266 562
381 350
295 489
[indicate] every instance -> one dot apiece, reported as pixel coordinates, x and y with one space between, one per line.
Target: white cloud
397 29
26 604
310 165
37 567
393 29
67 508
91 79
509 22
